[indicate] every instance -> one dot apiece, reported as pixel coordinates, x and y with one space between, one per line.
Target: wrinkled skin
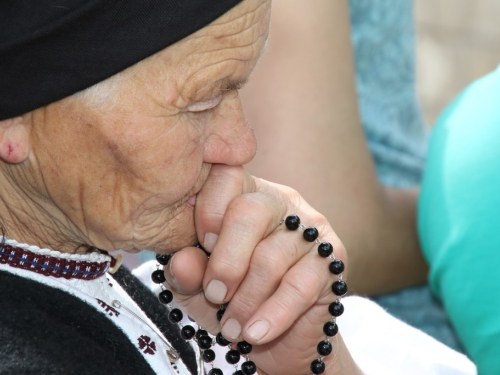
120 174
157 165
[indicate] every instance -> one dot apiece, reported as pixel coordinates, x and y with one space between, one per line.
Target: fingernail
170 262
216 291
231 329
258 329
209 241
172 281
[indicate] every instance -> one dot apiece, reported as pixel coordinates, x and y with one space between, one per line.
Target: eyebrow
235 85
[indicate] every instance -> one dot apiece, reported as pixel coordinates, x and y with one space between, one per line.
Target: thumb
185 273
185 270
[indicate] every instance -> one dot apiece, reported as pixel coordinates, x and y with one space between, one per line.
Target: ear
15 142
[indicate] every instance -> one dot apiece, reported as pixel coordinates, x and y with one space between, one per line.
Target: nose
230 140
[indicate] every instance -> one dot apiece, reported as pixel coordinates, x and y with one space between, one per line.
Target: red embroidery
52 266
147 345
110 310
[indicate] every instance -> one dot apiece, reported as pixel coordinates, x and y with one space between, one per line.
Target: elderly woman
148 156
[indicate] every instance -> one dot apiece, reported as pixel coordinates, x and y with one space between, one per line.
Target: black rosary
243 348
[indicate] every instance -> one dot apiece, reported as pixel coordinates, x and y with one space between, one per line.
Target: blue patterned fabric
383 38
384 48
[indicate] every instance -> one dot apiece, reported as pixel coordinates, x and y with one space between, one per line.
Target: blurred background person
365 155
458 216
344 112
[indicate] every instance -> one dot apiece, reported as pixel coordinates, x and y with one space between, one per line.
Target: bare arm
302 103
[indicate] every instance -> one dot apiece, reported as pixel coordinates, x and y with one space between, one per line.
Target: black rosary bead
232 357
200 333
215 371
221 340
175 315
325 249
292 222
205 342
336 308
221 312
248 368
339 288
158 277
330 329
208 355
187 332
163 259
317 366
336 267
166 297
244 347
324 348
239 372
310 234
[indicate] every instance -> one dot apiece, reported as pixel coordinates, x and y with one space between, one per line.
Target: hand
278 287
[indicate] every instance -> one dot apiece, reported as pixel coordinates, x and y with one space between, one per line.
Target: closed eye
205 105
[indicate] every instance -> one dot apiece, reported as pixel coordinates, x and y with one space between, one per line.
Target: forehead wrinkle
239 39
220 35
248 16
253 36
247 54
232 37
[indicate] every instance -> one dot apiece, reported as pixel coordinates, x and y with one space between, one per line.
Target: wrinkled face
125 173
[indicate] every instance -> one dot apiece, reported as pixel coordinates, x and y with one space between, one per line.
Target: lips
201 182
192 200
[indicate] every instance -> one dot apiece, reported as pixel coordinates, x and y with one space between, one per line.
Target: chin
180 233
171 245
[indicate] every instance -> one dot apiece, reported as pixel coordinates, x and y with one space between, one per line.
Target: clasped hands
278 287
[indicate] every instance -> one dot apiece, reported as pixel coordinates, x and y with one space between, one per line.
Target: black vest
44 330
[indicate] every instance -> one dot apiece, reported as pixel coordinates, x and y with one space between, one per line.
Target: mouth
192 200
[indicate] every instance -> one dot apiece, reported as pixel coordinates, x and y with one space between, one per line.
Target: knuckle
293 196
267 263
303 290
227 172
341 253
321 222
246 203
243 305
224 269
246 212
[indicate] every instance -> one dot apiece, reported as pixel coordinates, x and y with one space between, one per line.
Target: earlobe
15 143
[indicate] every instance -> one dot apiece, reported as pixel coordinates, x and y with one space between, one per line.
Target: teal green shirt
459 218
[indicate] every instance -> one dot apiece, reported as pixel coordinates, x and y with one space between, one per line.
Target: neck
27 216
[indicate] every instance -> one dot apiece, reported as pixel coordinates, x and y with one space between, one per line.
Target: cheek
183 160
166 159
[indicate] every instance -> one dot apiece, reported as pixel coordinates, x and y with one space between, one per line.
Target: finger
185 270
298 343
249 218
223 184
184 275
298 290
306 284
200 310
270 261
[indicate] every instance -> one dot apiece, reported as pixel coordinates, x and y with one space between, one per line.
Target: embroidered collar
53 263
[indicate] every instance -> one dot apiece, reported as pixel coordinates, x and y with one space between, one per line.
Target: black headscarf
50 49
